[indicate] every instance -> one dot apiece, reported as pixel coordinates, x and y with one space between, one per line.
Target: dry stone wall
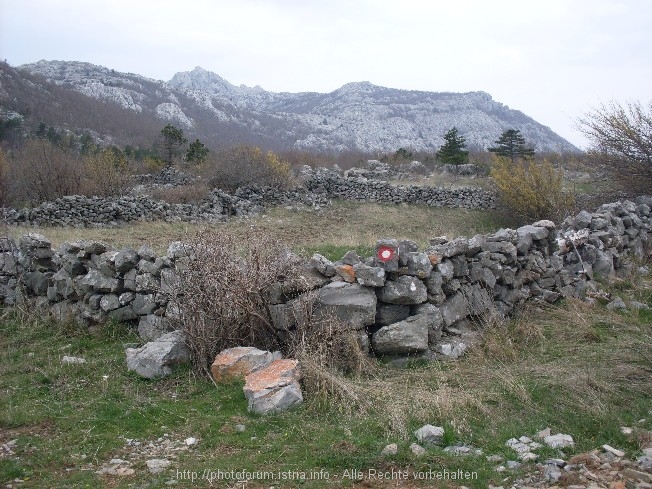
403 301
319 186
354 186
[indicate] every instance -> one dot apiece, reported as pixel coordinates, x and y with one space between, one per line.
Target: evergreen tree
197 152
511 144
452 151
172 140
42 130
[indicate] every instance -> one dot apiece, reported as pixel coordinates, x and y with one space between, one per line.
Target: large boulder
352 304
408 336
158 358
240 362
273 388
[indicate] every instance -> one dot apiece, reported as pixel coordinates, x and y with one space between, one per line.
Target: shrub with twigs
223 293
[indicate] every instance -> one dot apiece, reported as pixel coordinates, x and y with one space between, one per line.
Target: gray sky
552 59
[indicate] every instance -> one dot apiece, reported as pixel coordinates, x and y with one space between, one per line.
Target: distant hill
130 109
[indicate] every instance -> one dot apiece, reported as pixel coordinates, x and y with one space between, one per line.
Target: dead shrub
43 171
530 190
246 165
183 194
330 356
106 173
224 303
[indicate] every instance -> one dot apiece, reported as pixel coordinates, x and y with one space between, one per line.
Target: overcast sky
552 59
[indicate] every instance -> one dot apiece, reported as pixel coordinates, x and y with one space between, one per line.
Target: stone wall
401 301
362 188
318 187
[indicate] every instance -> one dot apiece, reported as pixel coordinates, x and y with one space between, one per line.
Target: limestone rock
408 336
240 362
347 303
157 358
273 388
404 290
430 435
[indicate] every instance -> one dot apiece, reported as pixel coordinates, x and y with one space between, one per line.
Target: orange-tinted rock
274 388
346 272
435 258
240 361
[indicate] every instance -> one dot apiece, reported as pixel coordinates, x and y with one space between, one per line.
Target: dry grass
448 180
343 224
559 350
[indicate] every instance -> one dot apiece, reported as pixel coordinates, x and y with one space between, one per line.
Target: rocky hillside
357 116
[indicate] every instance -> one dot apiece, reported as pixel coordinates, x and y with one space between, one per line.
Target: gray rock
434 319
408 336
144 304
99 282
390 450
418 264
323 265
417 449
559 441
369 276
170 282
454 309
583 220
391 263
147 283
352 304
109 302
125 260
430 435
274 388
152 327
391 313
123 314
178 249
617 303
404 290
147 253
446 269
158 358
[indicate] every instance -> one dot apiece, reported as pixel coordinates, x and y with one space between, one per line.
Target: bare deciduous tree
622 141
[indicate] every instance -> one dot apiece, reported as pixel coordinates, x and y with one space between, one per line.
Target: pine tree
197 152
452 151
172 140
511 144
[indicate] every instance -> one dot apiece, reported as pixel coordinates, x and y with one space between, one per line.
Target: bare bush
621 136
106 173
224 300
43 171
245 165
183 194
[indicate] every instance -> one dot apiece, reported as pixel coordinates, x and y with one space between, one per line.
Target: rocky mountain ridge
357 116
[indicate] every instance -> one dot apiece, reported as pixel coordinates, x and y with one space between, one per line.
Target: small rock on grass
391 449
157 465
429 434
72 360
417 449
